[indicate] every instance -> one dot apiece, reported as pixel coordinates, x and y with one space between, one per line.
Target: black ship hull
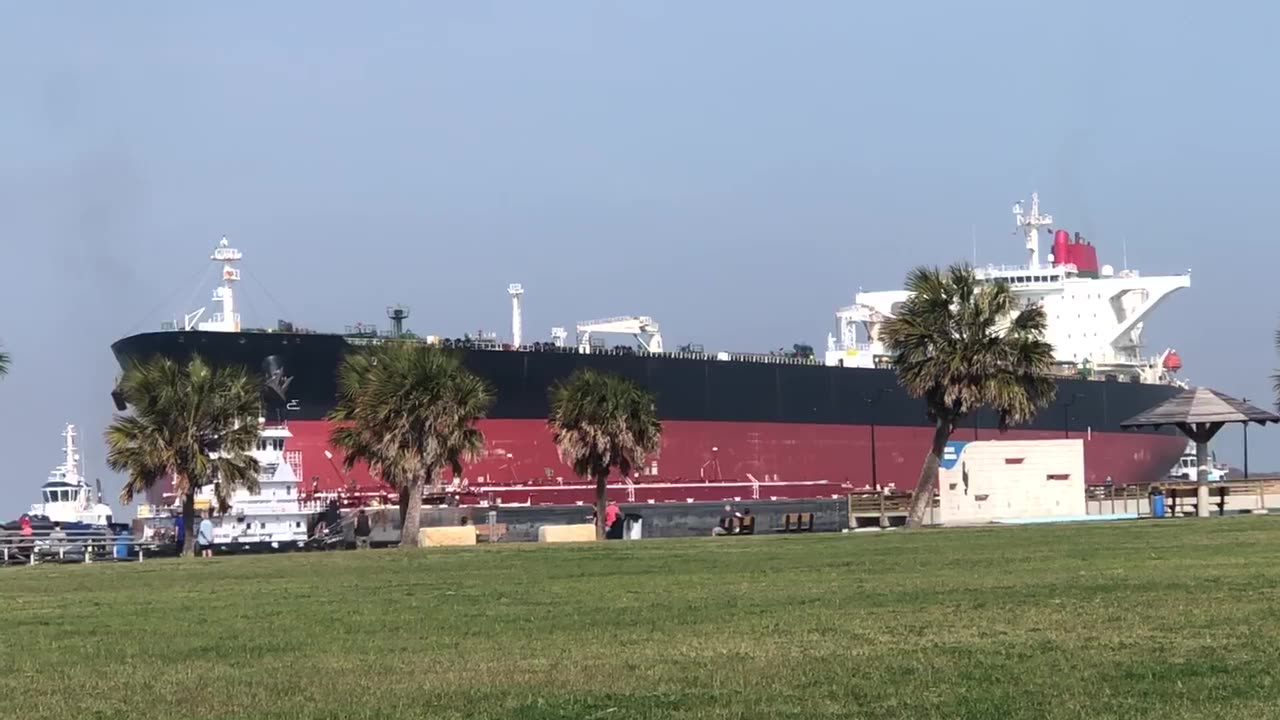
784 429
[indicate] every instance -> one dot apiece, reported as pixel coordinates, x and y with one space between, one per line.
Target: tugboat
66 497
276 517
1186 467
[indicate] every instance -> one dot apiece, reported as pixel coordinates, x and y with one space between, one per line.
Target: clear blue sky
736 169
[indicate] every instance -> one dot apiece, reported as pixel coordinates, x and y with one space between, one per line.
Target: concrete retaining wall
567 533
446 536
658 520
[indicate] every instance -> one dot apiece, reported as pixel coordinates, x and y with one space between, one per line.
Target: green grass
1170 619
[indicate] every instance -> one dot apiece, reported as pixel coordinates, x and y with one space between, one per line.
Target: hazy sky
736 169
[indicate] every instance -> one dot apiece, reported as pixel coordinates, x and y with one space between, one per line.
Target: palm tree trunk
188 523
602 499
411 513
923 498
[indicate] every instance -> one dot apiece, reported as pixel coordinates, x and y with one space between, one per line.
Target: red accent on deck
723 460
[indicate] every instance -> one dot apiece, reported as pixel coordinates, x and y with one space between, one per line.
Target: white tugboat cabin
275 515
66 497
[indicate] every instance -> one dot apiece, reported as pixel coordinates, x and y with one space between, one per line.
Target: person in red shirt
611 514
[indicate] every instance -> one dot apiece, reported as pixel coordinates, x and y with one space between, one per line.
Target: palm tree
1276 377
191 423
601 422
409 411
961 344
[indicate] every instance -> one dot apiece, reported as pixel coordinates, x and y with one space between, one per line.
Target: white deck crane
642 327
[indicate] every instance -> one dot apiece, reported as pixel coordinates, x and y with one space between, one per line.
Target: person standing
611 513
204 536
363 531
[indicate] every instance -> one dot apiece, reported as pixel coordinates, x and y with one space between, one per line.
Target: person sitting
730 522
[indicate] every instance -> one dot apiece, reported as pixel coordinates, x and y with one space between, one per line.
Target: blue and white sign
951 453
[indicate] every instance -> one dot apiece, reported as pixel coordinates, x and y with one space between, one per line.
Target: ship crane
642 327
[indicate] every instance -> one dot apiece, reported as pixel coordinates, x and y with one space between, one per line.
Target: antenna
973 236
398 314
515 290
70 435
1124 248
1031 223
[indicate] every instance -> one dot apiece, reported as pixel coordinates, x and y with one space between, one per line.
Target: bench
797 522
745 525
487 533
1186 498
1182 499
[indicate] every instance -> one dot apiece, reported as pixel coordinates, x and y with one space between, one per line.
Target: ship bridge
1095 314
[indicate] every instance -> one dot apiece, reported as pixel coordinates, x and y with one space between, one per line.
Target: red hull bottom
715 461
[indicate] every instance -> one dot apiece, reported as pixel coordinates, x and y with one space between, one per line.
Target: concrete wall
446 536
998 479
658 520
567 533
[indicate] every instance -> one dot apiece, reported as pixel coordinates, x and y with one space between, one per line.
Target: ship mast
70 467
1031 224
227 320
515 290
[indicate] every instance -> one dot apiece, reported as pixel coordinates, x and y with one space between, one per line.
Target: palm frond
1276 377
601 422
4 363
408 411
962 344
188 423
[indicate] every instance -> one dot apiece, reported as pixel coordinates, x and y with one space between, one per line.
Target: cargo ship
791 424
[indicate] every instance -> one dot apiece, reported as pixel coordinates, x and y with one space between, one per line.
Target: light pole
871 402
1246 444
1066 414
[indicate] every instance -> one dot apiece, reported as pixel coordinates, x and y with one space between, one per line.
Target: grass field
1169 619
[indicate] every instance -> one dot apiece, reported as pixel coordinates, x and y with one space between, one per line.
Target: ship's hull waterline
747 430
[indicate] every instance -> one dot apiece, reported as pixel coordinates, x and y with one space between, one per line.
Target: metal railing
81 546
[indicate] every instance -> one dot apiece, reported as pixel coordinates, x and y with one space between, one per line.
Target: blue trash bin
122 546
1157 504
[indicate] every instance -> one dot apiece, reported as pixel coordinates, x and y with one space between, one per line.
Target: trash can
121 550
1157 503
632 526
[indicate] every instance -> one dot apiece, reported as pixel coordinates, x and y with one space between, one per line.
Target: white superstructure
1186 469
226 320
274 514
515 290
66 496
1094 323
